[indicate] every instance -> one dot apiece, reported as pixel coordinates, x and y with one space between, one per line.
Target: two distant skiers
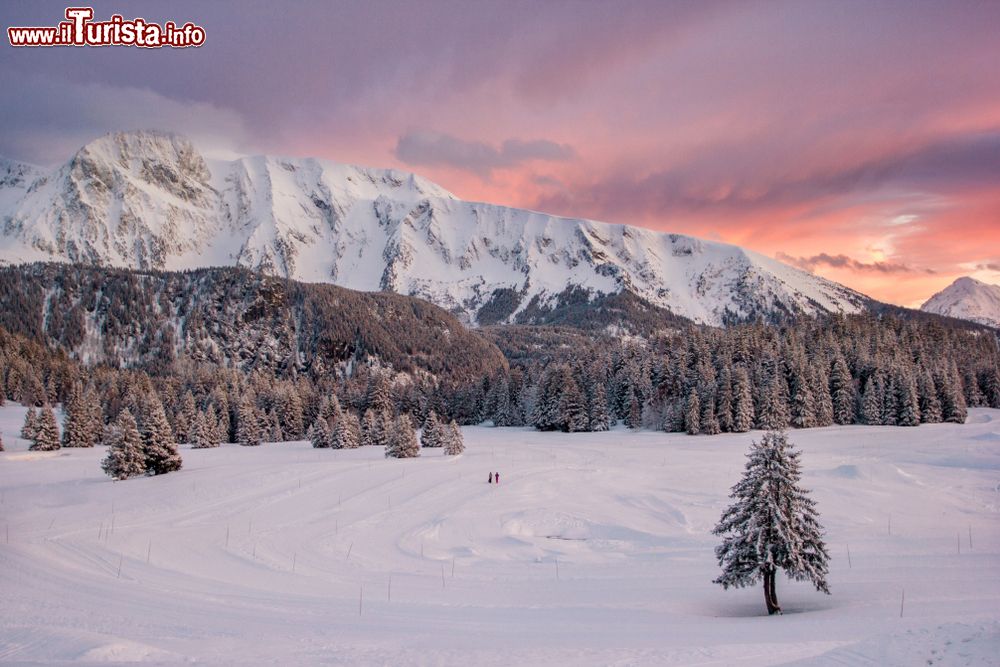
494 478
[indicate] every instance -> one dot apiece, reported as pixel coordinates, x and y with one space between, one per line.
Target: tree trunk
770 596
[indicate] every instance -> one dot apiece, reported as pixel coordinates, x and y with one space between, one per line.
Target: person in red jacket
496 476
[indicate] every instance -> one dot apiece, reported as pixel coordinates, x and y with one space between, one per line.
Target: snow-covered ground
595 549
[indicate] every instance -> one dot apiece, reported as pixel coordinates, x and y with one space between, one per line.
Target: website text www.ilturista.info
80 30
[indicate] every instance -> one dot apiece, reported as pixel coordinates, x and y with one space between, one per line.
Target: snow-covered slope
151 200
967 299
596 549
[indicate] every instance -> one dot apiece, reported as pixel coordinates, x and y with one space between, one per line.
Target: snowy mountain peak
967 299
152 200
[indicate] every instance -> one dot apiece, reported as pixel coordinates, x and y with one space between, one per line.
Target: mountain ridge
151 200
967 299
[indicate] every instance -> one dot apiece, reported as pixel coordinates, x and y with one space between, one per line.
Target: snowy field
594 550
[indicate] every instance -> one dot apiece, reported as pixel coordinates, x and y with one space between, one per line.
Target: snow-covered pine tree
158 440
973 394
184 421
94 414
46 432
803 408
248 427
990 381
289 413
871 401
572 407
842 392
216 430
930 405
77 428
773 525
598 416
907 399
454 443
379 396
822 400
368 428
126 457
402 439
319 434
709 422
30 424
743 410
953 407
345 432
692 416
546 415
890 394
773 413
724 399
382 433
633 416
201 433
498 402
431 435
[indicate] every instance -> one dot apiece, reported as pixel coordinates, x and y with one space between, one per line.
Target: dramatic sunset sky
858 140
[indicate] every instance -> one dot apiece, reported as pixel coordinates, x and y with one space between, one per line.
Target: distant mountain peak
151 200
967 299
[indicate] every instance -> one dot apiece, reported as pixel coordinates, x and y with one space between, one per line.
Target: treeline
859 369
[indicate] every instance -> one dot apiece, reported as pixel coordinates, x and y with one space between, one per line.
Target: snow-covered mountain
152 200
967 299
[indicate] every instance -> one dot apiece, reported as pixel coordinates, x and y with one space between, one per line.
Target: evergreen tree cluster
858 369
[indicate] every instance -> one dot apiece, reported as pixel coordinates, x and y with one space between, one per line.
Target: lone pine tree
772 525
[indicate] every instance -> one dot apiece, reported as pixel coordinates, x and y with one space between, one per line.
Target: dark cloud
844 262
431 148
706 183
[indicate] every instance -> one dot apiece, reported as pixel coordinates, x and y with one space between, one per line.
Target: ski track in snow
595 549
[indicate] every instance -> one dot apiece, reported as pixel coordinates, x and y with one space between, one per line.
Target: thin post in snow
227 535
557 568
349 551
442 576
389 595
120 558
970 536
361 598
902 598
452 567
149 550
295 557
100 531
51 523
8 533
958 543
848 556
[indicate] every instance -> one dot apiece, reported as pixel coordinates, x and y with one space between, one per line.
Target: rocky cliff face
152 201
